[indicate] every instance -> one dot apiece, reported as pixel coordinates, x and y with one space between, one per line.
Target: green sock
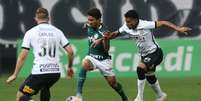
118 88
81 80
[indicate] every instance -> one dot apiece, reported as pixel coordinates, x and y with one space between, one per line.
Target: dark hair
42 13
94 12
132 14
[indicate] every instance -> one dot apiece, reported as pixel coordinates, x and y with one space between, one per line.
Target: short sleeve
123 29
147 24
64 41
26 43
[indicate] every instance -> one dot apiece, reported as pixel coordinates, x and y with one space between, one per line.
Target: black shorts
34 83
153 59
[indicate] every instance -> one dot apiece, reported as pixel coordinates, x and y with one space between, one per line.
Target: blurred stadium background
180 71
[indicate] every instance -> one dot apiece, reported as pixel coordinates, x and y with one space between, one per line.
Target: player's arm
106 44
113 35
173 26
70 52
20 61
101 40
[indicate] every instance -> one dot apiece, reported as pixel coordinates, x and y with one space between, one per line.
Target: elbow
161 23
71 53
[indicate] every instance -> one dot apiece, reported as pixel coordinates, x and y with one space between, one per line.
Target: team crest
96 36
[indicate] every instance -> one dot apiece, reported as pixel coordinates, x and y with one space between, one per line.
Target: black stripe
66 45
154 41
155 24
118 31
25 48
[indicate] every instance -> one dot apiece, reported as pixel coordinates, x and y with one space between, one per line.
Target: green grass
96 89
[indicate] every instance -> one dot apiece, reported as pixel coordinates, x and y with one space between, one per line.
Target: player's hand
106 35
11 78
70 73
96 42
183 30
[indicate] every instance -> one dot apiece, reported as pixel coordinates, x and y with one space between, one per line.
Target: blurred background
16 17
182 52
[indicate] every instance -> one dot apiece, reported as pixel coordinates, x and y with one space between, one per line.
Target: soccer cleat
138 99
80 97
162 98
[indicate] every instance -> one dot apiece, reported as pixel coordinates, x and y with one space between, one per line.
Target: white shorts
105 66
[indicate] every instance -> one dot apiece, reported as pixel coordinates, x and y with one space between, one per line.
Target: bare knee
19 95
142 66
87 65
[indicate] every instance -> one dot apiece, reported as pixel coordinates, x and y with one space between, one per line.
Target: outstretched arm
181 29
20 62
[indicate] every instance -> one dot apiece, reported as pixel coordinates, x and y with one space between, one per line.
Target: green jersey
93 34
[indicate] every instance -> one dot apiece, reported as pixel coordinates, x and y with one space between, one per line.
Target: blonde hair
42 13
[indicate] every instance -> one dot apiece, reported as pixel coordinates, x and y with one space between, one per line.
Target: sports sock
140 88
157 89
81 80
140 82
140 73
118 88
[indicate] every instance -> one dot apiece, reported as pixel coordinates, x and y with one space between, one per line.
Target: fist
70 73
106 35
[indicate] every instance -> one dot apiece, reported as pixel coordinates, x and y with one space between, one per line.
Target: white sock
157 89
140 88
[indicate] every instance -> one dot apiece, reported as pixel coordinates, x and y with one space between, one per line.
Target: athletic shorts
153 59
34 83
105 66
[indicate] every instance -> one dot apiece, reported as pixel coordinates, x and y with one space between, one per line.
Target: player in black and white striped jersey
45 39
150 51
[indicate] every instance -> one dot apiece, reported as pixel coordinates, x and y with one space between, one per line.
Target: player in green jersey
98 57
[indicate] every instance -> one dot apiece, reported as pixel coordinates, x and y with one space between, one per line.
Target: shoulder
103 27
32 30
123 28
141 23
145 24
55 29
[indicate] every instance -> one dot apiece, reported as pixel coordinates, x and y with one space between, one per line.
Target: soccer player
150 51
45 39
98 57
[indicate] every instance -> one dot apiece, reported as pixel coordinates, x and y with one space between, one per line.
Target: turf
96 89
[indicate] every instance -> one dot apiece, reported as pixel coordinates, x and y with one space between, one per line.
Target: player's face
92 21
130 22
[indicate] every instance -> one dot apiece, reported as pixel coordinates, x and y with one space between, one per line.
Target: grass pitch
96 89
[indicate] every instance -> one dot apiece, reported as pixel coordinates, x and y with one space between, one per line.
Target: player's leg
87 65
80 83
29 87
45 94
154 83
25 98
157 58
48 81
19 95
105 67
140 82
117 87
82 76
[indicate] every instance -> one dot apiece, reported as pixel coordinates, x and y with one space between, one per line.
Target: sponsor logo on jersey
49 67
